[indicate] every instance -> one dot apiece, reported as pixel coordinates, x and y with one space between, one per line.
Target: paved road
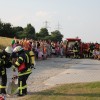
54 71
87 70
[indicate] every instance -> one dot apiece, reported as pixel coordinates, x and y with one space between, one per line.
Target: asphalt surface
87 70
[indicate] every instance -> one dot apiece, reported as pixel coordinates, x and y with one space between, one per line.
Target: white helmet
8 49
17 49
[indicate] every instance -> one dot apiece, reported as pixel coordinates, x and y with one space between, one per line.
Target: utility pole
58 26
46 25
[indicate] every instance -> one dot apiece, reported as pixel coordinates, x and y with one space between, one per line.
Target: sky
73 18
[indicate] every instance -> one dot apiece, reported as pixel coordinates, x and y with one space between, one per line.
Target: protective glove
13 68
32 66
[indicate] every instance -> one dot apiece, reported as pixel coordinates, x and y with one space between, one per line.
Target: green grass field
5 42
79 91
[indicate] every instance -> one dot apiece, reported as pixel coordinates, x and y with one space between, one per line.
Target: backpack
31 58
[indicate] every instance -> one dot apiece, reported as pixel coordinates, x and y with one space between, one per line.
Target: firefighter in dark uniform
24 69
5 62
92 46
76 49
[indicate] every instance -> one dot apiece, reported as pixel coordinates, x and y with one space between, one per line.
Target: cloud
16 20
45 15
42 14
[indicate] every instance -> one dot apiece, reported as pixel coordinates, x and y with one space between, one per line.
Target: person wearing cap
23 69
5 62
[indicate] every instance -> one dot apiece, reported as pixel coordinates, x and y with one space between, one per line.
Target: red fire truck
69 47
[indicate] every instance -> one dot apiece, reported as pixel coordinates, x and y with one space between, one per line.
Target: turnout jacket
22 61
5 62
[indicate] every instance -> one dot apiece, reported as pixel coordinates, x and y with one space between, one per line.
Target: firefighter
5 62
24 69
76 49
92 46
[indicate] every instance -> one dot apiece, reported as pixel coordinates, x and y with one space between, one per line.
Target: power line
58 26
46 24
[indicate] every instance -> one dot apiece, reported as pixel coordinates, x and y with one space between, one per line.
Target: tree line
7 30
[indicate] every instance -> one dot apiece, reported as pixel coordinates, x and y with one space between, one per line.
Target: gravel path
44 70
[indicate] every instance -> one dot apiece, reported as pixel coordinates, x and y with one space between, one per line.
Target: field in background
4 41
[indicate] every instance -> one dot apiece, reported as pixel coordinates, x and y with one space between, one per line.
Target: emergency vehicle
69 51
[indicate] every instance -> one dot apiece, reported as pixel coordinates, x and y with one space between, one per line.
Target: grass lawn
79 91
5 42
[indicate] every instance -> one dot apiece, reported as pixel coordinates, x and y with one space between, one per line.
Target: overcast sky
74 17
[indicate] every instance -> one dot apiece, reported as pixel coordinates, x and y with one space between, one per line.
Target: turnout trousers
22 84
3 82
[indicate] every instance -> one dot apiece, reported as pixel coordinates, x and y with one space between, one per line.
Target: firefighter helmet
76 41
18 49
8 49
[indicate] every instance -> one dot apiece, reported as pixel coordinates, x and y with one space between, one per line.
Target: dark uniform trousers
22 85
3 81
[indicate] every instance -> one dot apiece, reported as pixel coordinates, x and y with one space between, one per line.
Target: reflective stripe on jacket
29 71
23 58
2 87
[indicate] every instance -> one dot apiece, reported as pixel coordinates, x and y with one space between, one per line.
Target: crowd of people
44 49
83 50
91 50
41 48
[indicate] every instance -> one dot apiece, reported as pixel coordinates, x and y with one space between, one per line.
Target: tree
7 30
48 37
43 32
1 28
17 31
56 36
29 31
